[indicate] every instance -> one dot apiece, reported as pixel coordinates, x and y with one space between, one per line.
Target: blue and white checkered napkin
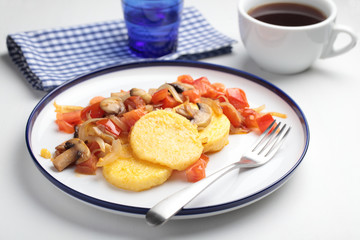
48 58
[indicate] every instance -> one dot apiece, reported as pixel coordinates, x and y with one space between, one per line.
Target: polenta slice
166 138
123 170
135 175
216 133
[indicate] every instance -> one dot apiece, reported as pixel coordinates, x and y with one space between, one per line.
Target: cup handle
329 50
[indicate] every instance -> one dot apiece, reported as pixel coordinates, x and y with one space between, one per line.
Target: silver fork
260 153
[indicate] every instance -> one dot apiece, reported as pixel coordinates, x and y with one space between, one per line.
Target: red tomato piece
130 118
193 95
65 126
206 89
220 87
202 84
212 93
94 111
160 95
134 102
250 117
232 114
237 98
169 102
109 126
88 167
196 171
96 99
73 118
264 122
93 147
185 79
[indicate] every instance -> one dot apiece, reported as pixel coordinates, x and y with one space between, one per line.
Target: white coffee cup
288 50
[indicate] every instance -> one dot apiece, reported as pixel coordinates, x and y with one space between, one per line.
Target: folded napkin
48 58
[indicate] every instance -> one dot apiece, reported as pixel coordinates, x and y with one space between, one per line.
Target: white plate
234 190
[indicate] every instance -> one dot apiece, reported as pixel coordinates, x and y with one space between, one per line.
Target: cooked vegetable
107 125
87 167
96 99
196 172
139 137
172 91
68 120
130 118
73 150
181 87
134 102
92 111
264 121
193 95
64 126
159 96
112 105
232 114
202 117
141 93
237 98
185 79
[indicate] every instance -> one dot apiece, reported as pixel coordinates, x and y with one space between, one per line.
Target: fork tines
271 139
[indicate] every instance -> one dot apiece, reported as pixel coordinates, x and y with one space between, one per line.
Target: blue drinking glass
152 26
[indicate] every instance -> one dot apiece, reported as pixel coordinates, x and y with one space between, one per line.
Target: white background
321 200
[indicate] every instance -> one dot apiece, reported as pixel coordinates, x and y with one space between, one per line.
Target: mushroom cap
112 105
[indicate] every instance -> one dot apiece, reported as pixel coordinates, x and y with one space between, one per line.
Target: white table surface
320 201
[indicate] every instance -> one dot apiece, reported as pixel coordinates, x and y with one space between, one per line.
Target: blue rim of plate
186 211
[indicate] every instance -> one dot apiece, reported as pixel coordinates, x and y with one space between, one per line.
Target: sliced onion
101 143
172 91
259 109
151 91
224 98
118 151
234 130
233 109
277 114
149 108
108 138
214 104
122 95
89 132
123 126
85 128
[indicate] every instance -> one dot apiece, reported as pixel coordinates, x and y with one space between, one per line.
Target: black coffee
287 14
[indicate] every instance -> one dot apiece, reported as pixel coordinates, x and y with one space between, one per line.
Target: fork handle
165 209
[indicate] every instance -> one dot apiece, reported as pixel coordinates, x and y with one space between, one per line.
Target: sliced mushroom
74 150
112 105
186 110
181 87
122 95
172 91
141 93
202 118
